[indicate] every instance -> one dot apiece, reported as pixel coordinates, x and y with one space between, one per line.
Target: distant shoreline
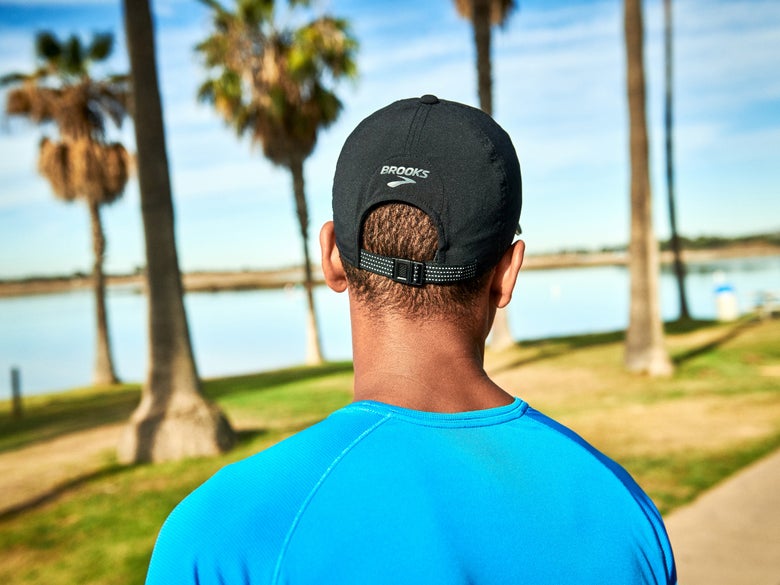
214 281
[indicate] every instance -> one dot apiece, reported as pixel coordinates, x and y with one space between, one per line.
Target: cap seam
490 149
413 134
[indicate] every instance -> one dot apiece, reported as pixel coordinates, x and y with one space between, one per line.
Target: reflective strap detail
415 273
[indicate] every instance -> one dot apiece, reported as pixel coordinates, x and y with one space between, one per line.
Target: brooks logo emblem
404 175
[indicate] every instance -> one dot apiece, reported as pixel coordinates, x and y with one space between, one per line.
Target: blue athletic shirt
377 494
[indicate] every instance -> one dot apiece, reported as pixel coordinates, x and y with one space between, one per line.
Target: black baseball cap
452 161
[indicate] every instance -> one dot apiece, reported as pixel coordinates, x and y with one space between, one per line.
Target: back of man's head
426 200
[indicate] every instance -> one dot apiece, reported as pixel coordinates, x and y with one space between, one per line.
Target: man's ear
505 276
332 268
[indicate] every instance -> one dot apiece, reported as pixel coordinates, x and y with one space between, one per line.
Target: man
434 474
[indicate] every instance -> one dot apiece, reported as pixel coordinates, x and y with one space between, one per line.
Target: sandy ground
39 471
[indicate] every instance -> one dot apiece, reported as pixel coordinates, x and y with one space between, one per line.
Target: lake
50 338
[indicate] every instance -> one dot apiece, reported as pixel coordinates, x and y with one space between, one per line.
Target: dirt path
35 473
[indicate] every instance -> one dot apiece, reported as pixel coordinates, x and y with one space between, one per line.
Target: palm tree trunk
104 366
173 420
501 333
679 267
482 41
645 351
313 346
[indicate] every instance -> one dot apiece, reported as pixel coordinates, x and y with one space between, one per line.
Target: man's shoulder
252 505
600 482
295 464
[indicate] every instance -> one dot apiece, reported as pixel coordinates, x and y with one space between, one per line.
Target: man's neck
434 366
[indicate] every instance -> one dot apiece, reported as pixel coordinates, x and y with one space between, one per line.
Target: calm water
50 337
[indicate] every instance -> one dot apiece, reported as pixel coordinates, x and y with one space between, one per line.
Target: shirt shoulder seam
296 520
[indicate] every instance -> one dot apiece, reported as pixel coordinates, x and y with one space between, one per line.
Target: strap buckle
408 272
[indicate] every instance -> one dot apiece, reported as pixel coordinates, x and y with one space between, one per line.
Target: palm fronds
80 163
499 9
84 169
275 85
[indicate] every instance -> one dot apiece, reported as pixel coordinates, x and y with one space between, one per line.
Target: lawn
678 436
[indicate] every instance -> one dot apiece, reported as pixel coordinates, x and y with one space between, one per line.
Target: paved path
730 535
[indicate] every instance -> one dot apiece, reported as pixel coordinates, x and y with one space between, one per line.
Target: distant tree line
703 242
708 242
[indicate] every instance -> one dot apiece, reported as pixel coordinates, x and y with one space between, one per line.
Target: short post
16 393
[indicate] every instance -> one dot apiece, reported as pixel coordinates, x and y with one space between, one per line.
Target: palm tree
645 351
679 267
483 15
80 163
173 420
272 84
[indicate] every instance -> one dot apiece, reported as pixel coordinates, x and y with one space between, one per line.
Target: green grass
675 480
50 416
103 528
669 433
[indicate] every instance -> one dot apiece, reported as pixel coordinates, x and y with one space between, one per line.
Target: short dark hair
403 231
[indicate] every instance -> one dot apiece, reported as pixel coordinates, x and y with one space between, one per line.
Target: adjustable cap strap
415 273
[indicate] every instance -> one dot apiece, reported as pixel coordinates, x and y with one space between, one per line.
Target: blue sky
559 90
